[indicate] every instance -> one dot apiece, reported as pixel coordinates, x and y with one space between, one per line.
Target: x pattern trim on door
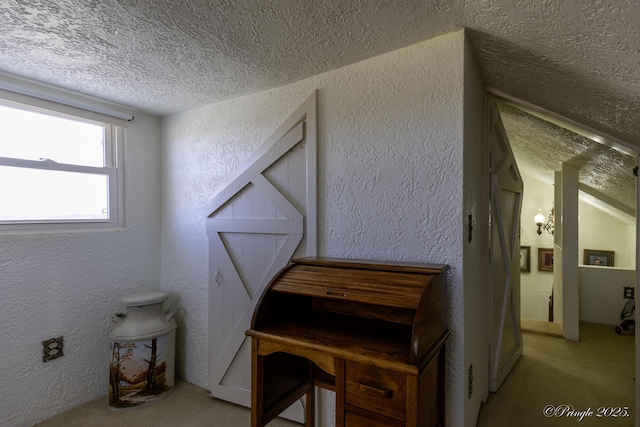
291 226
262 217
506 338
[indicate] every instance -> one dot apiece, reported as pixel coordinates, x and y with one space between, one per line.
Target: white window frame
114 164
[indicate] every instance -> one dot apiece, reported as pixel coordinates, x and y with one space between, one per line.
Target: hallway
597 372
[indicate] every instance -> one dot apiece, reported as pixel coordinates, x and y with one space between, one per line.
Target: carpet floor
187 406
596 372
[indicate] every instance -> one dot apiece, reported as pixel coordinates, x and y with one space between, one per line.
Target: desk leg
289 378
310 408
340 392
257 390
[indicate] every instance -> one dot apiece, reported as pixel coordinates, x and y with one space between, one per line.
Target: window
58 170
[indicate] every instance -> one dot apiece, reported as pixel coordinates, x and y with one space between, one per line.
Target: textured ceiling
579 59
163 56
605 174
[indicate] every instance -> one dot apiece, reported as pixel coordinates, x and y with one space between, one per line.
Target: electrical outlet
52 349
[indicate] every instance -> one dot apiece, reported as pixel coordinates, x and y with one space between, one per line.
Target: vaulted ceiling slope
605 175
578 59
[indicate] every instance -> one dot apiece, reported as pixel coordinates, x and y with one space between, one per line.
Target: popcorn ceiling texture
161 56
390 178
602 168
69 284
179 55
577 59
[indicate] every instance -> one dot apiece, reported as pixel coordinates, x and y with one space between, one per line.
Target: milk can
142 351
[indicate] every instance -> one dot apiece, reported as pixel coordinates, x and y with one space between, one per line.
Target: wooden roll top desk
372 332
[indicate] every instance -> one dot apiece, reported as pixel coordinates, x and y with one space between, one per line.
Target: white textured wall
390 178
69 284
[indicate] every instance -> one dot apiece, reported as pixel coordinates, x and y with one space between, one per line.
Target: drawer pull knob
374 391
336 294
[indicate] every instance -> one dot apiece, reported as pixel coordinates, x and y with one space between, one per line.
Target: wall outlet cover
52 349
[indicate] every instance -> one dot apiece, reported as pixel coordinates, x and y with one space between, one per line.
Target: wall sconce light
549 226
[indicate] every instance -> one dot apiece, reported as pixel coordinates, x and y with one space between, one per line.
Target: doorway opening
607 198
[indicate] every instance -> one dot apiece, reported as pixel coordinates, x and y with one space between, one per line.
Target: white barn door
262 217
506 202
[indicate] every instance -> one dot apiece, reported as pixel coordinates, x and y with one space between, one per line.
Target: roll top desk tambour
372 331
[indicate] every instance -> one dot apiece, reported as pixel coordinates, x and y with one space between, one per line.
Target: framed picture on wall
599 257
545 259
525 258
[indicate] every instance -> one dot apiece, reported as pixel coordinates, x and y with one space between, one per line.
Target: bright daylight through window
57 169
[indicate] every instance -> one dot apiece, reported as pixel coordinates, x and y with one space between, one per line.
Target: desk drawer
375 389
355 420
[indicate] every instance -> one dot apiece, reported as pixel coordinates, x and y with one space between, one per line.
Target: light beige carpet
596 372
187 406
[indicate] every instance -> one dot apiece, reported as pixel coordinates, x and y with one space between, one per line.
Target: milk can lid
145 298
